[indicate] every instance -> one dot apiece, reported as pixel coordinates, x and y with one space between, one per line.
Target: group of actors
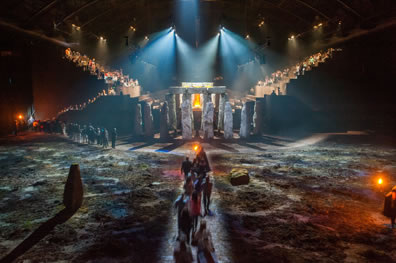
197 186
91 135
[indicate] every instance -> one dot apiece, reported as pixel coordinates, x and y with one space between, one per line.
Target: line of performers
197 186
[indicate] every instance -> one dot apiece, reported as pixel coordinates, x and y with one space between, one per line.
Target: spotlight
146 38
218 33
261 23
340 22
315 27
291 37
132 28
78 28
320 24
247 37
73 25
20 116
101 38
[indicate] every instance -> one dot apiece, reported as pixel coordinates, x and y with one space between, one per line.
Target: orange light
197 101
380 181
196 147
20 116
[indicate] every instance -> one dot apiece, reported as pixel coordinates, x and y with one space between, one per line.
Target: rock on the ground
239 176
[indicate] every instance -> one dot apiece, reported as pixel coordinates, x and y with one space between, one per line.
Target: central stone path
214 224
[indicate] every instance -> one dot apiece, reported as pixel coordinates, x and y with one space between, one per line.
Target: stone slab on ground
239 176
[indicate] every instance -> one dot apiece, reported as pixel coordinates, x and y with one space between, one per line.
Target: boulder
239 176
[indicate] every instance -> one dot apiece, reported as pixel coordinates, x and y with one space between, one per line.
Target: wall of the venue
356 89
16 96
32 71
286 114
107 111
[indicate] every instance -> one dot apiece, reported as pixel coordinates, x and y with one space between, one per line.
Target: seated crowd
298 69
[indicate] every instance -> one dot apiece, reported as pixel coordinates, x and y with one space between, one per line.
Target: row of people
91 135
197 184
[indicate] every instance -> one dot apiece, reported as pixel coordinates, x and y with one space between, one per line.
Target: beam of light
154 64
234 52
197 64
37 34
187 20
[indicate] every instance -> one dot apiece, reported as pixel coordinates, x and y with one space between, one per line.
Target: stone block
239 176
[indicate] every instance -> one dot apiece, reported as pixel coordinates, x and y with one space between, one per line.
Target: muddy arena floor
313 199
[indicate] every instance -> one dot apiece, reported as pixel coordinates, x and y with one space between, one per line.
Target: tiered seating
277 82
123 83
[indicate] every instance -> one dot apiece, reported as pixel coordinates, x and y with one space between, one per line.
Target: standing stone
164 120
205 100
244 130
73 193
258 118
148 122
138 120
228 121
189 97
170 98
186 121
208 121
250 112
178 111
220 123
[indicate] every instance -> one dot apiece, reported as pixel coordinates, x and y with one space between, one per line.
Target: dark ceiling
112 18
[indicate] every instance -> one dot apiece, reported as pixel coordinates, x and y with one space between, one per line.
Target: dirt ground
126 204
314 203
306 202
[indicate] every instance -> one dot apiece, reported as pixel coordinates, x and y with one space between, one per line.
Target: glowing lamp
196 147
380 181
20 116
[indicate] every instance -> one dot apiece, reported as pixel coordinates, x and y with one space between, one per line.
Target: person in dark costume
390 206
186 167
113 138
